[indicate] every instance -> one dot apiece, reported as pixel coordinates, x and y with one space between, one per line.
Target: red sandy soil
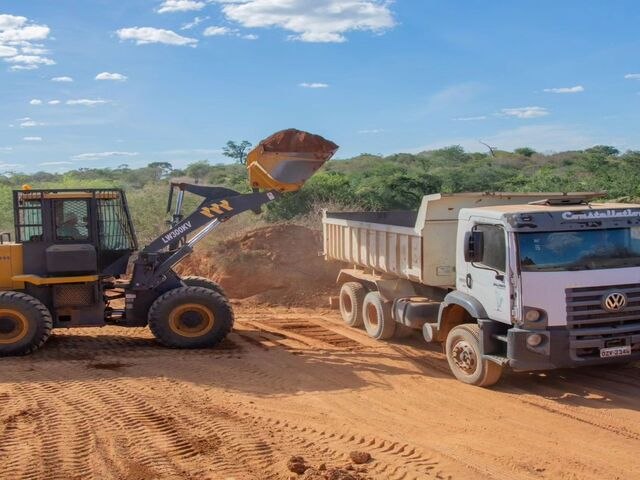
277 265
112 404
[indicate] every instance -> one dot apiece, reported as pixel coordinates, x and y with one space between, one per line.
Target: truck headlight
532 315
534 339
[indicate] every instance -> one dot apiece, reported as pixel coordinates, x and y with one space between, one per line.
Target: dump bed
418 246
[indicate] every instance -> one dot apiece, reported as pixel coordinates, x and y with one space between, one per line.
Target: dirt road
110 403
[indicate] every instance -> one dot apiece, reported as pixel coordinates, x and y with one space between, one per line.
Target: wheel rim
372 315
347 304
464 357
191 320
14 326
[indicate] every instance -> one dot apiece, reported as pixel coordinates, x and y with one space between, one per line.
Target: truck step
502 338
500 360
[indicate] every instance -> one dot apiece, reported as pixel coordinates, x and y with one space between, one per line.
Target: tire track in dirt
386 454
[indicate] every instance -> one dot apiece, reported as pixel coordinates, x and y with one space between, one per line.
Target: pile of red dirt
276 265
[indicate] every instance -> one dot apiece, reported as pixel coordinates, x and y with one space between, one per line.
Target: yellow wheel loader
69 264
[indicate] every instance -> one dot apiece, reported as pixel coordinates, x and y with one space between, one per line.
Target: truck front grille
592 327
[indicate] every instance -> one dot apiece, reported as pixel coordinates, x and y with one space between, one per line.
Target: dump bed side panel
386 248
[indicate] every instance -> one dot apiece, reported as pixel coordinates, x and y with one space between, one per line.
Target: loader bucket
287 159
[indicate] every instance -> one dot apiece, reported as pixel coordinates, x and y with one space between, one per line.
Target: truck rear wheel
190 317
25 323
351 299
465 357
377 317
195 281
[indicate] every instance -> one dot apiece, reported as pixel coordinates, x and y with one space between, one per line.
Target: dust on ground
274 265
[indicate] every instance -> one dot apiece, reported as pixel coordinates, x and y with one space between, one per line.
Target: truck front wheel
465 357
377 317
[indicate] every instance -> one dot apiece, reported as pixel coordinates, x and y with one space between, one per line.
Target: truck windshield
579 250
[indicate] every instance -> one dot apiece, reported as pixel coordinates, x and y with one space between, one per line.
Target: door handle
469 280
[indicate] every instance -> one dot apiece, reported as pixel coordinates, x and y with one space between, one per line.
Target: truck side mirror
473 246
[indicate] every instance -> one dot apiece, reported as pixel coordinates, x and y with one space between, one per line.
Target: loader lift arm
169 248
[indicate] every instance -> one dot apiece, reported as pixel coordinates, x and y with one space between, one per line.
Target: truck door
487 279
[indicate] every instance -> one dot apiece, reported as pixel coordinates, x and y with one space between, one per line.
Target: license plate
615 351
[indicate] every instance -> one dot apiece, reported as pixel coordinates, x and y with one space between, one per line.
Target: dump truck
520 281
75 261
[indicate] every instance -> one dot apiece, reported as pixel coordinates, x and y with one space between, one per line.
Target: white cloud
28 62
370 131
117 77
28 123
312 20
99 155
6 51
35 101
87 102
576 89
34 50
51 164
471 119
170 6
17 29
62 79
525 112
10 165
632 76
194 23
313 85
5 149
147 35
17 35
32 139
223 31
218 31
54 102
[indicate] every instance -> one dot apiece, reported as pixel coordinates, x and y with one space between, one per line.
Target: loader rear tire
191 317
465 357
195 281
25 323
377 317
351 298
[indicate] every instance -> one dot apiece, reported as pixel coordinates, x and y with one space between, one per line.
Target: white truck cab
520 281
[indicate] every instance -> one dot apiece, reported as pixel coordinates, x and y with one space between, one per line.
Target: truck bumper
555 350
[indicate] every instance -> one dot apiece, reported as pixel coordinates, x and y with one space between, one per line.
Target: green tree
525 152
160 169
237 151
198 170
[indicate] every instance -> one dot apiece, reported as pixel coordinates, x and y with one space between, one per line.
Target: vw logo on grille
614 302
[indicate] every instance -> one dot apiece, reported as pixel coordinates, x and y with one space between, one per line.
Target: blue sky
173 80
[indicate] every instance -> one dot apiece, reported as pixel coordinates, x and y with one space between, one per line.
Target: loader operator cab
73 231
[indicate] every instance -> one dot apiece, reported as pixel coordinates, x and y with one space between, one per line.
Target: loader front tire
195 281
25 323
190 317
351 298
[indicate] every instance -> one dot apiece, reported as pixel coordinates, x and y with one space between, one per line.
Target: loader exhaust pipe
287 159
